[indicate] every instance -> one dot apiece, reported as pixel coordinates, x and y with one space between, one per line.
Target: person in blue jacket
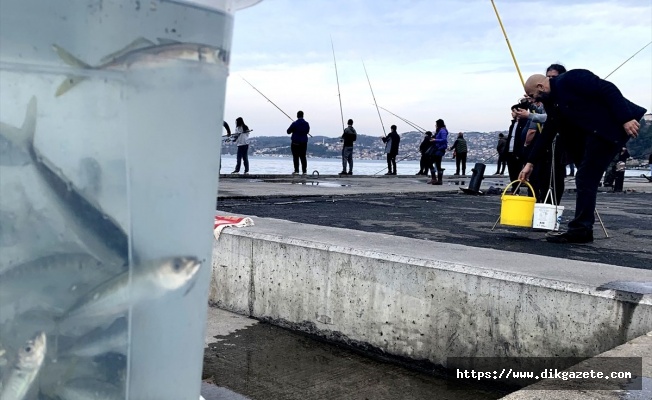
437 151
299 129
595 121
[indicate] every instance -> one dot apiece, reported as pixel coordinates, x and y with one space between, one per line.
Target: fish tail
23 137
68 84
71 60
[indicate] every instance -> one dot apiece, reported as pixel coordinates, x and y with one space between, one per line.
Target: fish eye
176 265
28 349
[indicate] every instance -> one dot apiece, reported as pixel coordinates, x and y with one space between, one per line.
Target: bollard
476 179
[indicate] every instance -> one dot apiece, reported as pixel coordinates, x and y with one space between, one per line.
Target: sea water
134 144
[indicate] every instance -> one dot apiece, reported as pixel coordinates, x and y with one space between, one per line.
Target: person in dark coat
501 148
424 162
595 121
391 141
514 143
299 129
460 150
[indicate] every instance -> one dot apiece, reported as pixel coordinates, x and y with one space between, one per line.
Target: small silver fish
111 339
52 283
98 233
151 55
89 389
21 375
147 280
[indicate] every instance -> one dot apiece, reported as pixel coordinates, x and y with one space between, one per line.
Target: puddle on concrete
309 183
267 362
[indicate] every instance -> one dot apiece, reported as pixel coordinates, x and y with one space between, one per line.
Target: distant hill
482 145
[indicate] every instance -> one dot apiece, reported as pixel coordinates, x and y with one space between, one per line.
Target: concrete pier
386 291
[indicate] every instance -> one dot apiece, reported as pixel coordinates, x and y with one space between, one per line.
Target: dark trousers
391 163
460 159
435 166
514 166
502 163
243 156
424 163
591 160
299 153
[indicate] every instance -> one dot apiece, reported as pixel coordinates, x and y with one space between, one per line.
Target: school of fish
64 315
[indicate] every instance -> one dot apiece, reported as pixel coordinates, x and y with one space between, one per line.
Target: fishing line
374 97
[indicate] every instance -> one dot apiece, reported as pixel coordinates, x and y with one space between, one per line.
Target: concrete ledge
639 347
425 300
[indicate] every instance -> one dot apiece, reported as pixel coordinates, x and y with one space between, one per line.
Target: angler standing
348 137
595 121
501 148
299 130
391 141
437 151
425 159
242 141
460 150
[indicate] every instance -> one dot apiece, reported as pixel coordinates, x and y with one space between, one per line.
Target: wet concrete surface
263 361
465 219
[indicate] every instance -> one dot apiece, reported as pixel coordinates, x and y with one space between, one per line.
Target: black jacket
581 103
518 137
395 139
425 144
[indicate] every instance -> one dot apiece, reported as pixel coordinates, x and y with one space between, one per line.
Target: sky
425 59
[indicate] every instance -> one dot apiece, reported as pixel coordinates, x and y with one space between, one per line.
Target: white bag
547 216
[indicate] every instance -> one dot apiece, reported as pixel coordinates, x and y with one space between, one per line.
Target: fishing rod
261 93
374 97
508 44
409 155
511 51
627 60
337 78
415 126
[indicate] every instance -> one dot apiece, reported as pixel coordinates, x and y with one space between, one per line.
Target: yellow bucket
517 210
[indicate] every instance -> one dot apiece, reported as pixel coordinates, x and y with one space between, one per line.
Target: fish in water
100 341
88 389
99 234
52 282
151 55
147 280
19 377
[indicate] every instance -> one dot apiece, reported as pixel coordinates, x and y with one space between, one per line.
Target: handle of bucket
526 182
552 199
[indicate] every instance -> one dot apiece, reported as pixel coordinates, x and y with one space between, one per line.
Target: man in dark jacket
460 150
300 130
391 141
515 142
425 159
348 137
502 154
595 121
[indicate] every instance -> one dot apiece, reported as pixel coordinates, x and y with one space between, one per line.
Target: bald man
595 121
